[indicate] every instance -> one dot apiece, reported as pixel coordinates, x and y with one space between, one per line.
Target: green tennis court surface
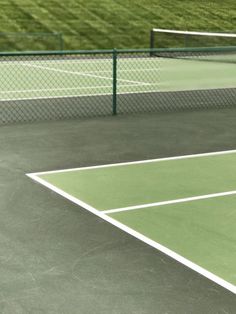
35 79
183 206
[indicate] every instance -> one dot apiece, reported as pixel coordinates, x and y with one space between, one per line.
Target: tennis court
183 206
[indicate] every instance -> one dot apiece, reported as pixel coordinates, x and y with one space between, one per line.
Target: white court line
53 97
73 61
79 95
225 152
95 71
125 71
81 73
54 89
176 201
66 88
139 236
57 61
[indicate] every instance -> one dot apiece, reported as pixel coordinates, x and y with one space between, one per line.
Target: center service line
180 200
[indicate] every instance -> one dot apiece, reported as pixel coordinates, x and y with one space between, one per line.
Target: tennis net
166 38
214 54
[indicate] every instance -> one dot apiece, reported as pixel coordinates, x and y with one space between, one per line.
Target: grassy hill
105 24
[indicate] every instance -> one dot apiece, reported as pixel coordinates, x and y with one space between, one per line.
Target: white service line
80 73
139 236
180 200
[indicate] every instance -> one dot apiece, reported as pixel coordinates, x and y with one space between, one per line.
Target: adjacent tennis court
64 85
86 77
184 206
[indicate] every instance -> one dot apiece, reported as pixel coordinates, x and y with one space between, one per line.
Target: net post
114 81
151 41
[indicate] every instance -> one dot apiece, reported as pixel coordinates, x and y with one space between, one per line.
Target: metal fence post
114 80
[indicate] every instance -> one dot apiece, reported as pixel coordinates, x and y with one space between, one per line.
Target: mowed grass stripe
105 26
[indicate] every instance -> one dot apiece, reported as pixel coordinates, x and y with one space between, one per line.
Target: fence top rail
119 51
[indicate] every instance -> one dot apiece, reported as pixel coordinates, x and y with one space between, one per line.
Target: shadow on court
58 258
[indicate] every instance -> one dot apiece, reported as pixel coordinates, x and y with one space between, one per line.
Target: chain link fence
74 84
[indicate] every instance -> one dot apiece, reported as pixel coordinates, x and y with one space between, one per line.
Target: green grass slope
104 24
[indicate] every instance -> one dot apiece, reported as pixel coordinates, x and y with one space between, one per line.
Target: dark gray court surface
58 258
